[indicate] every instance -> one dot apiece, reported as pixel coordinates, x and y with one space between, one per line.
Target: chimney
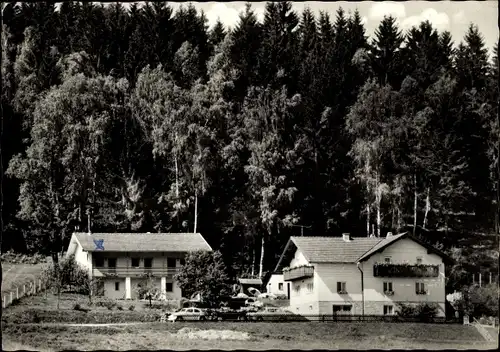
346 237
389 234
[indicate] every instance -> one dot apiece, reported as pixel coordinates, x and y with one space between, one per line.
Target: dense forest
144 119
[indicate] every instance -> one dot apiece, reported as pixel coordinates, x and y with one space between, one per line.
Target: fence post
39 285
473 278
490 277
479 279
11 294
34 287
24 289
4 301
17 292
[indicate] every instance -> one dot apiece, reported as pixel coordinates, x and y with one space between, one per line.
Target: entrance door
288 289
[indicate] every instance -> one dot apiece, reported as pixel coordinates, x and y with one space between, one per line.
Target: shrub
426 312
119 307
406 310
131 308
482 300
76 306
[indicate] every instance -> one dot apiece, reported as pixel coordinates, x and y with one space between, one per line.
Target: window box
389 293
342 292
405 270
421 292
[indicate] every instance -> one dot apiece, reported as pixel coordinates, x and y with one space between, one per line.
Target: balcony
300 272
405 270
123 271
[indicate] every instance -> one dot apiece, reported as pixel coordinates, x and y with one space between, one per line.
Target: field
51 331
18 274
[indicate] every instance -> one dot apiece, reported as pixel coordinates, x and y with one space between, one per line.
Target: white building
122 259
361 276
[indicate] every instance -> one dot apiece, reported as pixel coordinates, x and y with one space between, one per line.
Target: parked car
231 314
269 313
188 314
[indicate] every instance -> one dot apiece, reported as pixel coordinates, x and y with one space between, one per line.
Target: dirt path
88 325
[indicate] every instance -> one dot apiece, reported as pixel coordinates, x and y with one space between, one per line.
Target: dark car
231 314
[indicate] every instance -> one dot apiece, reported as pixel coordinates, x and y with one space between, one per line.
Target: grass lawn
18 274
262 336
41 335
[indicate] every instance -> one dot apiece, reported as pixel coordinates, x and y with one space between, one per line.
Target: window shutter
385 286
339 286
416 287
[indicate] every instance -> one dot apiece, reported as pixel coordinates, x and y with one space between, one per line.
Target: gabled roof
142 242
336 250
390 240
330 249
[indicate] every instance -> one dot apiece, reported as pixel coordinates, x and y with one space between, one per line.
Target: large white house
122 259
362 276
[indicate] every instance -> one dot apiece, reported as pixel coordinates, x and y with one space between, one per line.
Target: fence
290 317
30 288
484 278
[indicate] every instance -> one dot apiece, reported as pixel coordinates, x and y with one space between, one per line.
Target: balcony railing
405 270
121 271
290 274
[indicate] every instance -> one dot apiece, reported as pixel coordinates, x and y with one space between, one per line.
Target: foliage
481 301
148 288
204 273
424 311
142 119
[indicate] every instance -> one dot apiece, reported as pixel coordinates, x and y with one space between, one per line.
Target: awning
97 273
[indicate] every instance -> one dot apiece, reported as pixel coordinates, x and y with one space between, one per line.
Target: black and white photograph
276 175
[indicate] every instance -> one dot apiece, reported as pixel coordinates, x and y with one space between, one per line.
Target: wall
326 276
109 288
273 284
302 301
402 251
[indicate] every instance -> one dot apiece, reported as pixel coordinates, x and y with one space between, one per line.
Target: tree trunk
367 219
378 200
261 263
415 204
427 206
253 260
176 178
195 211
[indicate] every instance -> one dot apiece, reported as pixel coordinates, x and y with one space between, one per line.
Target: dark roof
250 281
336 250
143 242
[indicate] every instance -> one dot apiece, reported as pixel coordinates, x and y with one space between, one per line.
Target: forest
144 119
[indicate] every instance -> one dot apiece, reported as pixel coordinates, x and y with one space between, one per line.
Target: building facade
124 262
362 276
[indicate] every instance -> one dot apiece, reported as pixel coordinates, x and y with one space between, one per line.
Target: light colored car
188 314
269 313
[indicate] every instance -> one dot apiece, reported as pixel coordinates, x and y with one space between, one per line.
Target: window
387 259
117 286
111 262
148 262
297 289
135 262
419 260
310 287
169 287
420 288
388 310
341 287
99 262
342 309
280 286
388 287
171 262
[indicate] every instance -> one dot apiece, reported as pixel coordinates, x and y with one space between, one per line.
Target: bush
406 310
426 312
482 301
119 307
131 308
76 306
